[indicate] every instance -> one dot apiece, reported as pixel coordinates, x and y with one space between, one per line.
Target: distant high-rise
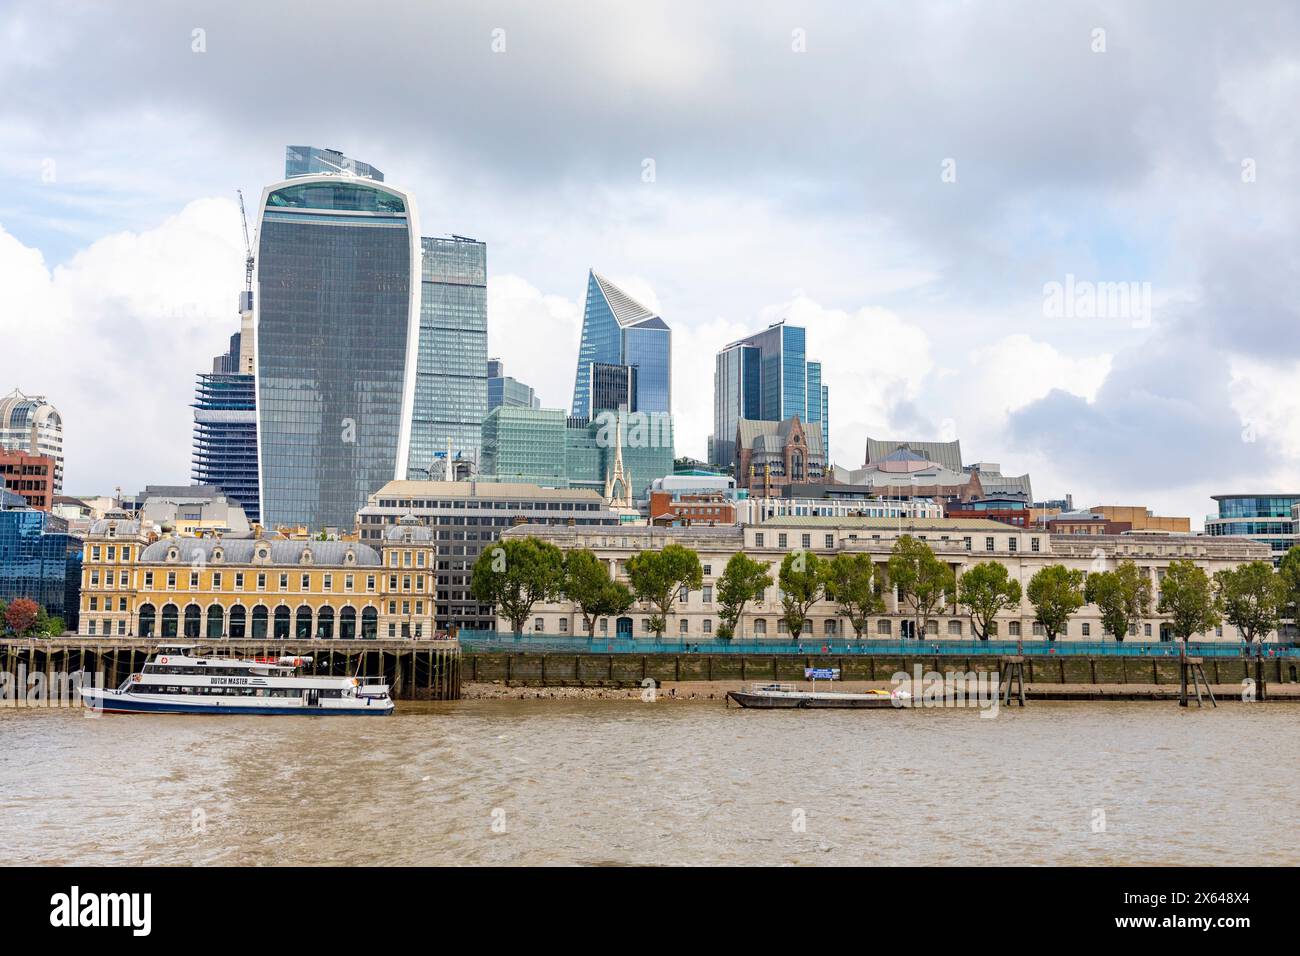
336 314
29 423
504 390
618 330
765 377
451 385
225 431
312 161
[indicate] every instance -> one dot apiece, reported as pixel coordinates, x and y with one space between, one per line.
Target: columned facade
263 588
960 543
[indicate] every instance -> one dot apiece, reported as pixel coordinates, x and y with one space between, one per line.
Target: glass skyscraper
451 385
337 320
225 435
312 161
765 377
618 330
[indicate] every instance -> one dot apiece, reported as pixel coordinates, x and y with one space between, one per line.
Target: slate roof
284 551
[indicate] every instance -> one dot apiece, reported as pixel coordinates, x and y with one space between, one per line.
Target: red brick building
772 456
667 511
31 476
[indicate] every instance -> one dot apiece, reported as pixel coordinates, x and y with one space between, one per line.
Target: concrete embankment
616 676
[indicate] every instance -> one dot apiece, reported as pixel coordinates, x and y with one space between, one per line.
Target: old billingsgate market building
267 587
960 543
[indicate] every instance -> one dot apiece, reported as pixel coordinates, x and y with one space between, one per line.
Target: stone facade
959 542
136 585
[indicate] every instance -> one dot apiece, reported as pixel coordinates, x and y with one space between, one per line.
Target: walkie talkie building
336 318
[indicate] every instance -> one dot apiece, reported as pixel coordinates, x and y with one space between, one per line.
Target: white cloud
115 337
535 335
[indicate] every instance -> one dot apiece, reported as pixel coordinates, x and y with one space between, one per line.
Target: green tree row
517 574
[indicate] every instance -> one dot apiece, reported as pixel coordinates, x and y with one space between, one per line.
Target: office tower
313 161
337 319
544 447
765 377
469 516
451 390
508 391
30 424
613 387
524 445
618 330
225 431
39 559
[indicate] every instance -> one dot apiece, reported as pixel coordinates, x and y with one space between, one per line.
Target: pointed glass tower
619 331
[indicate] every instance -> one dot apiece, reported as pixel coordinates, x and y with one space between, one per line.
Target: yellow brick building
135 585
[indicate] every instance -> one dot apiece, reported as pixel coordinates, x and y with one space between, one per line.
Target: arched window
148 620
760 627
216 622
369 624
348 623
259 622
281 623
325 624
238 618
302 622
193 620
170 618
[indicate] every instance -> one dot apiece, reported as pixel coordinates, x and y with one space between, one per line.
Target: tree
1288 573
1252 598
922 580
588 585
657 577
516 573
852 582
985 590
21 616
802 577
1187 595
1056 592
1122 596
743 580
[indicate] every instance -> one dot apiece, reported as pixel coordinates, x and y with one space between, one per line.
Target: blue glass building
312 161
765 377
337 320
225 431
451 384
1273 519
39 560
618 330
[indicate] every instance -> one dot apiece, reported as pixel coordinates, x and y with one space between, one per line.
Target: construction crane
248 246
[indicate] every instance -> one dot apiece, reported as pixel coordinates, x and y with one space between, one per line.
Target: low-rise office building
960 543
39 558
1271 519
464 517
264 587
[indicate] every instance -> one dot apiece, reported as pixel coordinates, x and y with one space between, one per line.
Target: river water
670 782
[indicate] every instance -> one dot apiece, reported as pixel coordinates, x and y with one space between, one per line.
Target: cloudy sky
934 190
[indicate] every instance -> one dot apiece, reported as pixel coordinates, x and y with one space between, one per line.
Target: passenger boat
787 696
182 679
